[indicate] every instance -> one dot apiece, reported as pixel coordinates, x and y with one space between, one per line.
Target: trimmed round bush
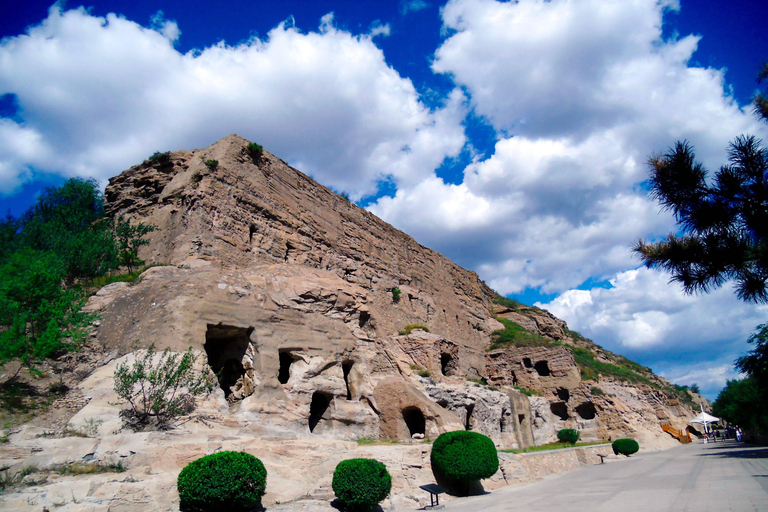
232 481
625 446
361 483
568 435
464 457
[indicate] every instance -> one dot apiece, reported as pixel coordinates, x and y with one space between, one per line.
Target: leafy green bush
231 481
211 164
462 457
361 483
396 294
158 157
596 391
160 387
255 150
568 435
625 446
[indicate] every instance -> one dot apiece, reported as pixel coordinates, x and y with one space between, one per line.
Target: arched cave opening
586 410
520 419
563 394
364 318
317 408
251 231
225 346
527 362
470 408
414 420
447 364
560 410
284 373
542 368
346 367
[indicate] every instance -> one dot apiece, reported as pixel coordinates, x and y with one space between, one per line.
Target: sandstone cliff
323 325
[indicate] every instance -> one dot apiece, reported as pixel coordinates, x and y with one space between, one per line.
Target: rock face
322 325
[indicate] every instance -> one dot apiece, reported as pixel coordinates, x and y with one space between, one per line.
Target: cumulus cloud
101 94
687 338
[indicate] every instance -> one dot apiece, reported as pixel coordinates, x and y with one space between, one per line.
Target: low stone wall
527 467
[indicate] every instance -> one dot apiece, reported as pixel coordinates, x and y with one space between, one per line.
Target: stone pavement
698 477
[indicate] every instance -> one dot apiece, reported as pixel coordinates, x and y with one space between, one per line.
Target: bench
434 491
602 457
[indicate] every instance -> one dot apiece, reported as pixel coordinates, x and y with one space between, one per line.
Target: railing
682 436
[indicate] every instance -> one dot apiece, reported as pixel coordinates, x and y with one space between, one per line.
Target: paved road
698 478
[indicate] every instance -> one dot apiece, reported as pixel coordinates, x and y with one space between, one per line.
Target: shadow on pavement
741 451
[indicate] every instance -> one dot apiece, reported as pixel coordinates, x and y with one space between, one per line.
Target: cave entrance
318 407
226 347
542 368
560 410
586 410
470 408
447 363
563 394
346 367
414 420
284 373
520 418
527 362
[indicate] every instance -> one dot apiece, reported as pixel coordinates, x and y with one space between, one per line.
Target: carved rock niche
230 356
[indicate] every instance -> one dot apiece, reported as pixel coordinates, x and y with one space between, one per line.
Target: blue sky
510 136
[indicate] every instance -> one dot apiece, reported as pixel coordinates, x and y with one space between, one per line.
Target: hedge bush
361 483
231 481
625 446
462 457
568 435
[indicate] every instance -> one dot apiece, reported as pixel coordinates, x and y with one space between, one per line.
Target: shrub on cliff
231 481
625 446
160 387
568 435
462 457
361 483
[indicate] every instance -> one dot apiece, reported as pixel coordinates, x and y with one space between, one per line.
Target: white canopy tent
705 419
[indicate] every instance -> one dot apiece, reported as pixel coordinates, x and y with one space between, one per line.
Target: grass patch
127 277
516 335
82 468
369 441
592 369
528 392
410 327
551 446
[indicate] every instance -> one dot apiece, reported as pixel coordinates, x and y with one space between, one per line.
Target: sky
512 137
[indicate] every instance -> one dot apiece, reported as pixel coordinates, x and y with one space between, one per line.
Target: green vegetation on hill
515 335
47 257
624 369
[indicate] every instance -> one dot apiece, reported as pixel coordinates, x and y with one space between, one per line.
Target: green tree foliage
742 404
725 221
45 254
160 386
129 238
755 363
625 446
361 483
568 435
462 457
224 481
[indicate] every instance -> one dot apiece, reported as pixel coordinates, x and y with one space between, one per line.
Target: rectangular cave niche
227 349
284 372
317 408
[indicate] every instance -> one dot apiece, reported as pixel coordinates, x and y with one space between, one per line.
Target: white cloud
407 6
101 94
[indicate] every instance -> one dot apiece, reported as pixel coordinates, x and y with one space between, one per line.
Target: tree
741 403
724 224
755 363
129 238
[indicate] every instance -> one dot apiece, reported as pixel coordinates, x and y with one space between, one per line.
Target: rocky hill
323 325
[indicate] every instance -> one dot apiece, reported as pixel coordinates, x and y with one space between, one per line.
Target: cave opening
284 373
504 420
346 367
414 420
447 363
563 394
251 231
527 362
226 346
542 368
364 318
587 410
520 418
560 410
468 418
317 409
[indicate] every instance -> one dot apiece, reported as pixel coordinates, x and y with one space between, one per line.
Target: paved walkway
699 477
